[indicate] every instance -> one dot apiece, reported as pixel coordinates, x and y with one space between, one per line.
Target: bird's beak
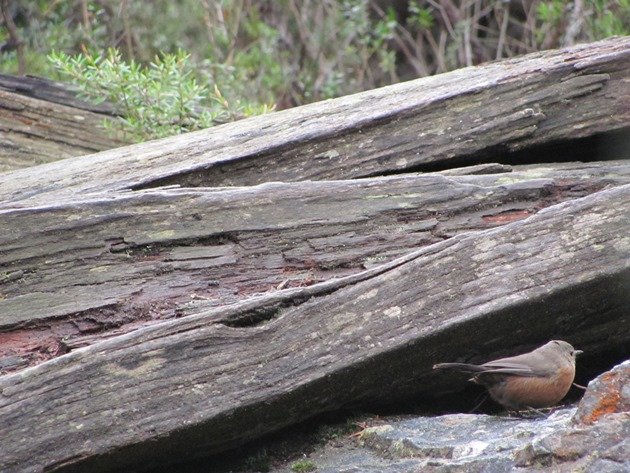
578 352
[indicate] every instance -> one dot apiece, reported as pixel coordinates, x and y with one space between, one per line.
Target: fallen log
40 122
92 267
466 116
197 385
51 91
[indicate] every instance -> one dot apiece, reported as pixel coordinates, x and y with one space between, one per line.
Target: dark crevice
257 316
600 147
154 249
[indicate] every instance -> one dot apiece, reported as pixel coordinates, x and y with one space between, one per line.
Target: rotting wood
200 384
471 113
40 123
85 269
51 91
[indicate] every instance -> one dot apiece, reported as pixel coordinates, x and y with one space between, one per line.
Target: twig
235 27
403 39
207 21
575 24
14 38
467 48
444 15
127 28
502 33
85 16
442 51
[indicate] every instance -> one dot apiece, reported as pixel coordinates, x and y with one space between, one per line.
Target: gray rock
450 443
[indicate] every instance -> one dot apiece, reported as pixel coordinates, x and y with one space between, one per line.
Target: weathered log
51 91
446 120
89 268
41 122
206 382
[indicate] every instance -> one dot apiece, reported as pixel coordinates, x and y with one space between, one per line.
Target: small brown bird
540 378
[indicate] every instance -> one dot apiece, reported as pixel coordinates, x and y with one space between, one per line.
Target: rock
607 394
453 443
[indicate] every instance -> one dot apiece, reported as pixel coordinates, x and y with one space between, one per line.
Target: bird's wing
509 367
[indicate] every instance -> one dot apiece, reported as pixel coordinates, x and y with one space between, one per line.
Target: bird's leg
474 409
527 413
540 413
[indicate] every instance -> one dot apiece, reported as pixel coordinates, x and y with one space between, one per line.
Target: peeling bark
91 268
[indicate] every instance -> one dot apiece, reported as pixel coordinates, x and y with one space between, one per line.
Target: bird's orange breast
518 392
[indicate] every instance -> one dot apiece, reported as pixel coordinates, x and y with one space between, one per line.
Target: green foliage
609 18
161 99
301 51
550 12
292 52
259 462
600 18
303 466
243 54
419 17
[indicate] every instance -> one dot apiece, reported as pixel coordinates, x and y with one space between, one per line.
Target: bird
538 379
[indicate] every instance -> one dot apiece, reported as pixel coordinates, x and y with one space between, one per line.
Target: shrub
303 466
161 99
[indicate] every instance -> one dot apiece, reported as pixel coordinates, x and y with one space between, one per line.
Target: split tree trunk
89 268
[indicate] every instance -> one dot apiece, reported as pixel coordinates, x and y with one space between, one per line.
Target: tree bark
88 268
41 122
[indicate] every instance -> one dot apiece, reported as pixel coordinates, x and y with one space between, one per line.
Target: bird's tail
465 367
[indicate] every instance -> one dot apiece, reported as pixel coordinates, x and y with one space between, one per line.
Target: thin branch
403 39
127 28
467 47
575 24
85 16
14 38
207 12
503 31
